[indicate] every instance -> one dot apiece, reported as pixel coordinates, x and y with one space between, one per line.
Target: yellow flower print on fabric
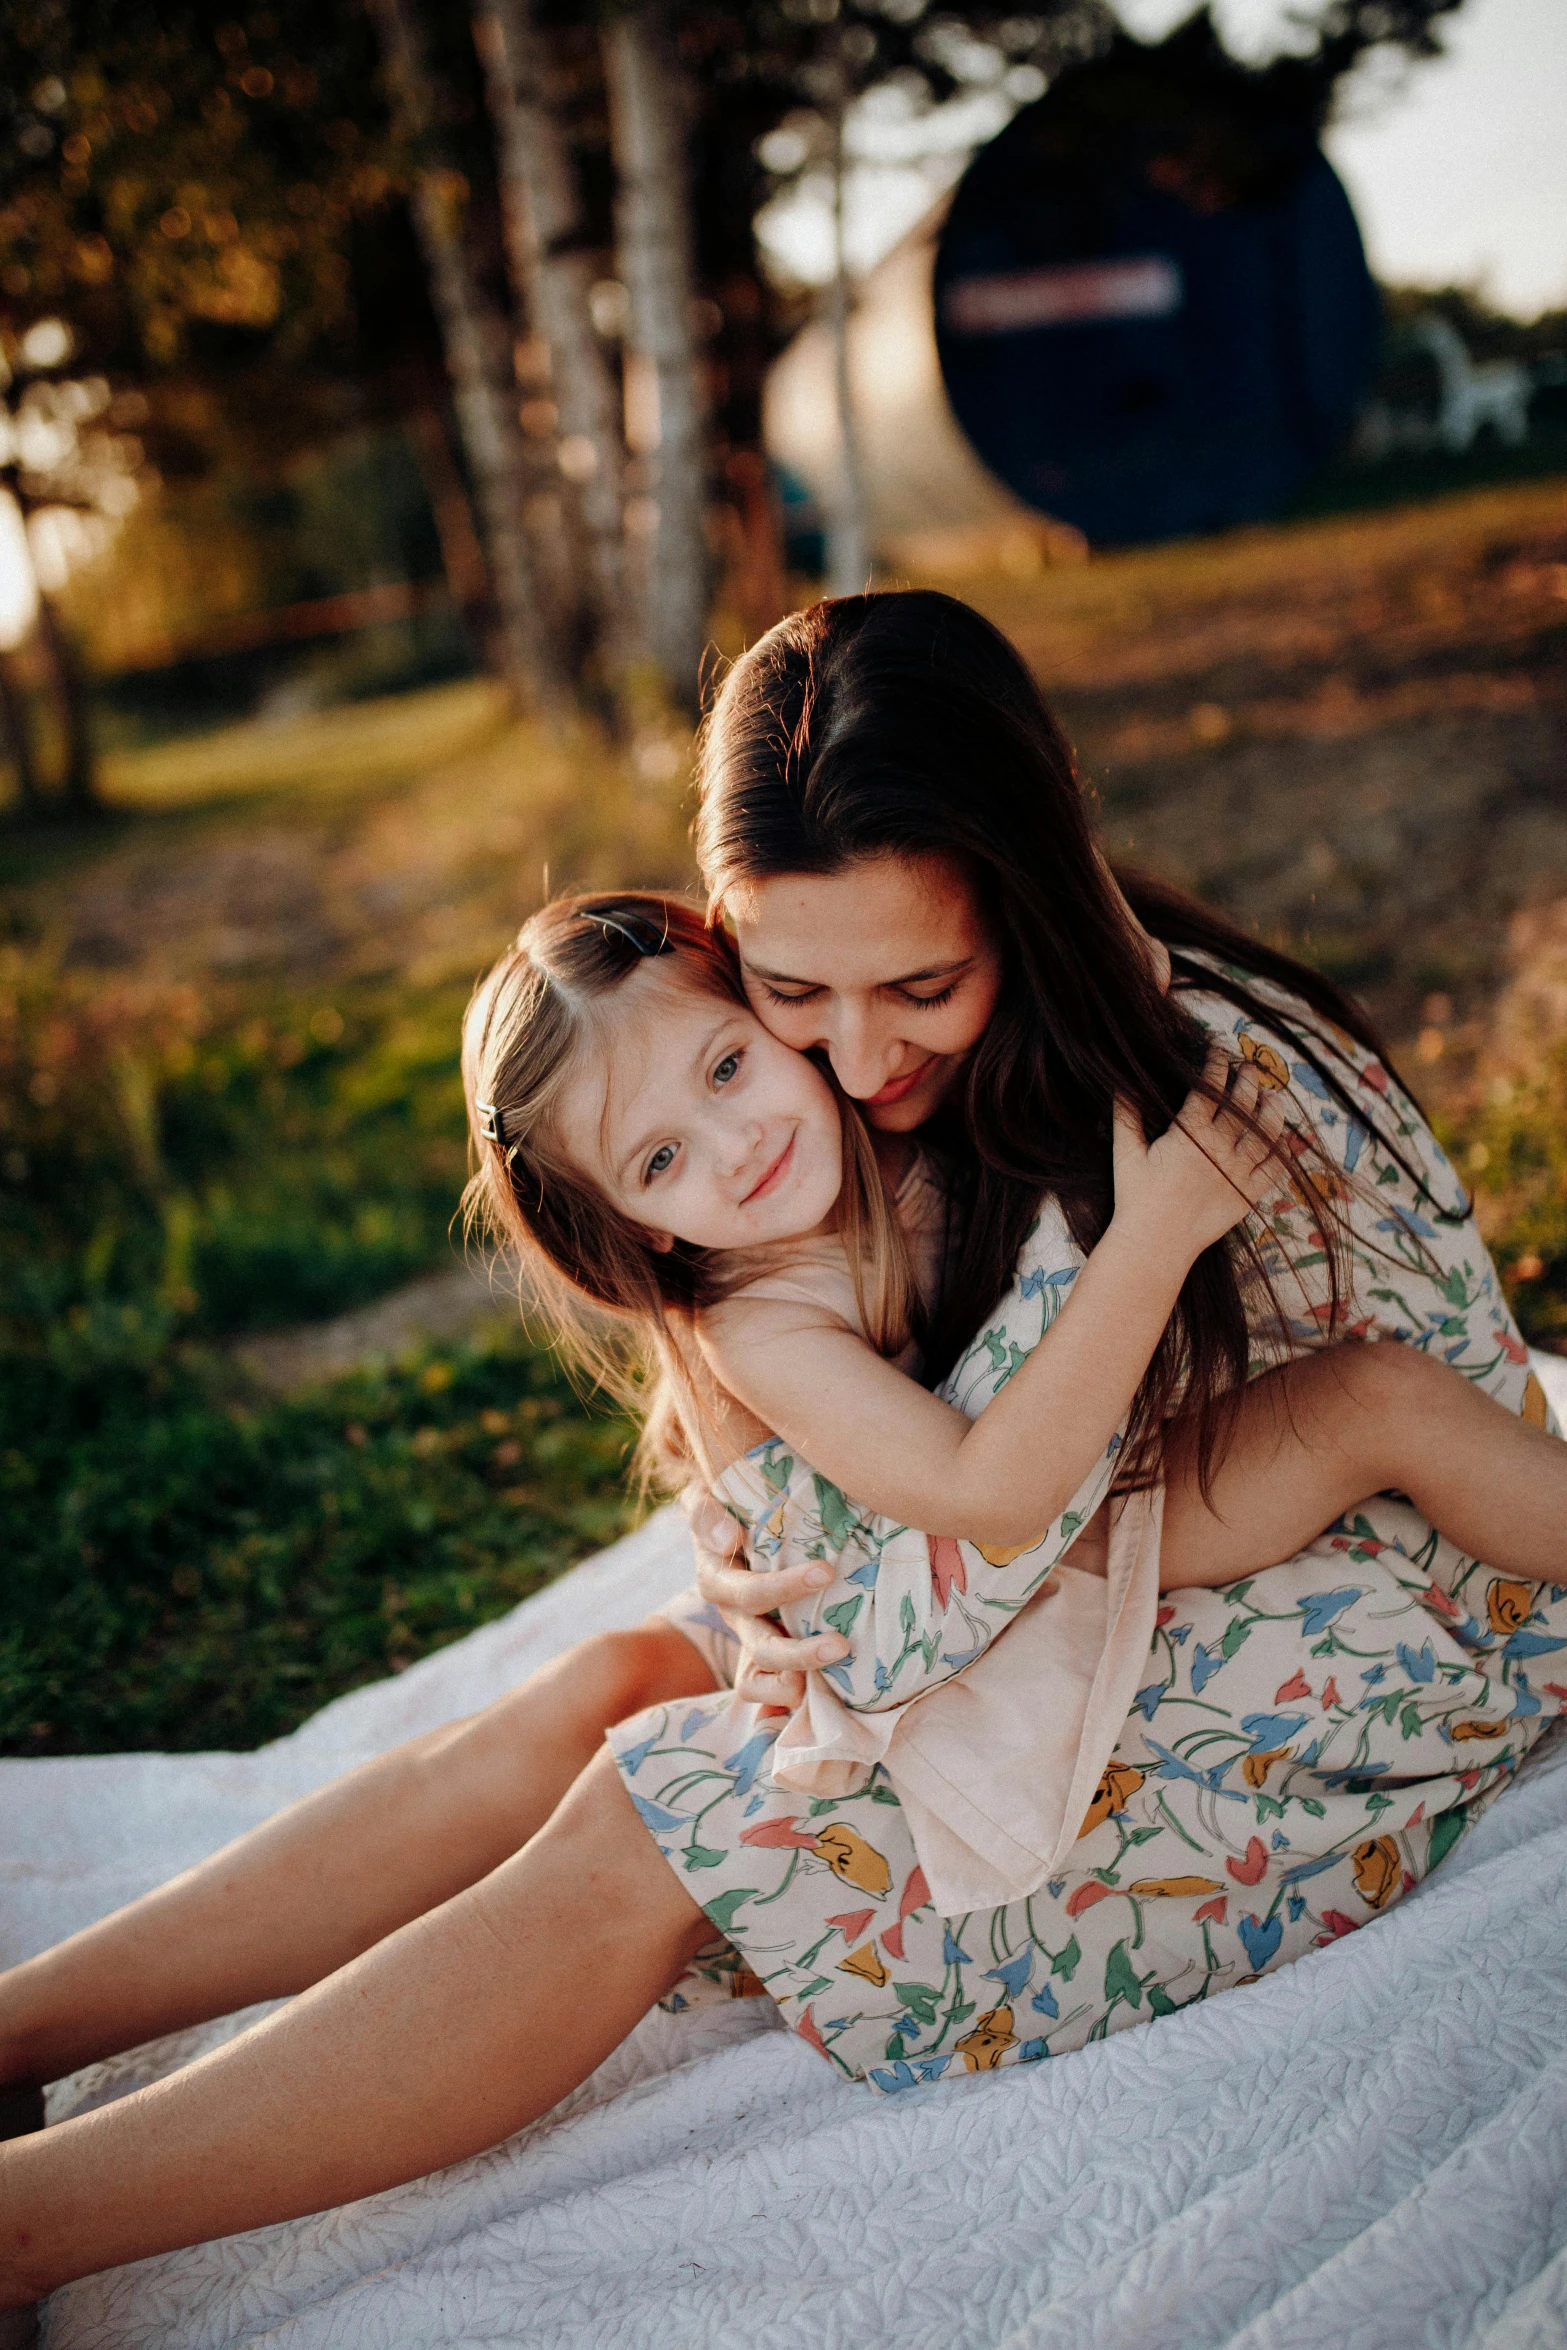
852 1859
1271 1067
866 1963
1509 1605
984 2047
998 1555
1174 1888
1378 1870
1118 1783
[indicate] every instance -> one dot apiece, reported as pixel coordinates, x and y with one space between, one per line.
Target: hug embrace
1129 1535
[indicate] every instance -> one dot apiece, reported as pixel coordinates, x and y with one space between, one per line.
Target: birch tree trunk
16 741
451 509
848 533
649 112
476 343
548 247
68 687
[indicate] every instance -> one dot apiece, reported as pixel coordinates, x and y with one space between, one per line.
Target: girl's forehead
640 1042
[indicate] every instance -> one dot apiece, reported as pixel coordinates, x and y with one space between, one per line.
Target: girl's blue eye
726 1068
661 1161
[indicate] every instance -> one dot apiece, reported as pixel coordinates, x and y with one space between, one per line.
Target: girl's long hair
619 1307
905 724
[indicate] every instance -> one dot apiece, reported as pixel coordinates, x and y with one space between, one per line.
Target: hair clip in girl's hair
491 1124
643 936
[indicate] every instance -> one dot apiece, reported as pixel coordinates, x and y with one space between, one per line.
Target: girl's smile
696 1123
773 1176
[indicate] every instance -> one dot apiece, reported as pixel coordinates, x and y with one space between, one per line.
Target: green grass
188 1565
275 1161
188 1155
1512 1146
186 1570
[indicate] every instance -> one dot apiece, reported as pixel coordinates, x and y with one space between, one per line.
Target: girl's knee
570 1703
643 1665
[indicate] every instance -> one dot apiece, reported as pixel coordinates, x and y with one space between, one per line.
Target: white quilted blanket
1368 2148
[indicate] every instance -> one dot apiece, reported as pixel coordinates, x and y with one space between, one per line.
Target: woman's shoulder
1291 1043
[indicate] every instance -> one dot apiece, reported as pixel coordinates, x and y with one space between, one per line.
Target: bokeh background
403 411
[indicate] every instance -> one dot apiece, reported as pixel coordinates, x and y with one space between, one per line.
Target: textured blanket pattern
1366 2149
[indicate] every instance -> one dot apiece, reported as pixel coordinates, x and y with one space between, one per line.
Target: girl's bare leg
445 2038
339 1870
1321 1434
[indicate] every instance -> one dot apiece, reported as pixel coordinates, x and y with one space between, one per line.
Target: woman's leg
445 2038
336 1872
1320 1434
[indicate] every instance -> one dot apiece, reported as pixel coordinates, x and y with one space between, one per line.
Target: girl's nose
739 1146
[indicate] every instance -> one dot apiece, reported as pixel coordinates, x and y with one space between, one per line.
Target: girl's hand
773 1665
1217 1162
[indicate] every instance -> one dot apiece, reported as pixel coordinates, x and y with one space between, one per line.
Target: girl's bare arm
904 1453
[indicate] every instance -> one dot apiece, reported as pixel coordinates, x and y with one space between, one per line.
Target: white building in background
932 503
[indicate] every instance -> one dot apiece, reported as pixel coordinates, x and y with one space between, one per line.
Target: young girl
649 1147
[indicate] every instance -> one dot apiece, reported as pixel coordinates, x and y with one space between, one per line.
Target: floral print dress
1306 1744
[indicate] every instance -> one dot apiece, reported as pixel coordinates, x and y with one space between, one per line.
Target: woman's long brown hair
905 724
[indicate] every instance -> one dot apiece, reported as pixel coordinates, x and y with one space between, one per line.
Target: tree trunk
649 112
548 247
78 784
462 557
477 345
16 740
848 531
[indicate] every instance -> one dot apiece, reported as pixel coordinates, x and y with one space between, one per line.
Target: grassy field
230 1102
229 1097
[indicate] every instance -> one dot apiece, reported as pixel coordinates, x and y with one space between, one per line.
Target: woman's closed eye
929 1003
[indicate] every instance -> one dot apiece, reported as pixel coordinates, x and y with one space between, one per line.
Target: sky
1457 166
1458 169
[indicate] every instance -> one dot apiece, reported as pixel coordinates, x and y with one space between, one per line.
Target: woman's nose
857 1053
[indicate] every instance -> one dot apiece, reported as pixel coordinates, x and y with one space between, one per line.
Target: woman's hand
1218 1161
773 1665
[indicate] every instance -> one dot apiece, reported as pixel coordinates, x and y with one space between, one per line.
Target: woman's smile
896 1087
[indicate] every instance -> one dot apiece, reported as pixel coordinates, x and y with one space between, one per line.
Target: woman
959 948
1303 1746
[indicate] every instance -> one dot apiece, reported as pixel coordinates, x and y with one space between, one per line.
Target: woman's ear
662 1241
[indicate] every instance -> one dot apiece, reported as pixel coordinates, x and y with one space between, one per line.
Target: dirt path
441 1308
